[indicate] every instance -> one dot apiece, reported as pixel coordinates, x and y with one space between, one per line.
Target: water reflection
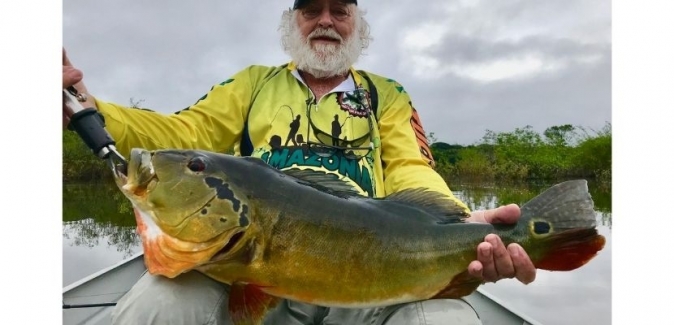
101 201
95 211
99 231
89 232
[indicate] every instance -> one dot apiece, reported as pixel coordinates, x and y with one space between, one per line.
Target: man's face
322 38
326 24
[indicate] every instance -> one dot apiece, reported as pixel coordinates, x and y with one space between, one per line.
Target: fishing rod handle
90 126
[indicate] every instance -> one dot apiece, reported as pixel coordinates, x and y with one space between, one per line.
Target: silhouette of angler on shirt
336 131
294 126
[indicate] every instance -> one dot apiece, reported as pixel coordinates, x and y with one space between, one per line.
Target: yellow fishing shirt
281 117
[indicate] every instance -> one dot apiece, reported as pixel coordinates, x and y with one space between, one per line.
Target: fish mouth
121 171
138 176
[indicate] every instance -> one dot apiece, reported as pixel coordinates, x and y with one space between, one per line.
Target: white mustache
325 32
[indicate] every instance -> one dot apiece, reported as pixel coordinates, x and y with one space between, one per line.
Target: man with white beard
331 116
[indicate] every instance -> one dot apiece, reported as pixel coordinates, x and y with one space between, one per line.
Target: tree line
560 152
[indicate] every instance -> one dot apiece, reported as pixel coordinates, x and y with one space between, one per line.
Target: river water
99 231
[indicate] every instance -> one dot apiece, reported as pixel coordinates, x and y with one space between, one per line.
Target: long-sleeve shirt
273 112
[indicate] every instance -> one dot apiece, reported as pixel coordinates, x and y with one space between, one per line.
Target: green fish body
304 235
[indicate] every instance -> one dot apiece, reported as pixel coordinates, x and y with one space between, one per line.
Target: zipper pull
312 101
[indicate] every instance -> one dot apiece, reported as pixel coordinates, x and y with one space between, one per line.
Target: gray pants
193 298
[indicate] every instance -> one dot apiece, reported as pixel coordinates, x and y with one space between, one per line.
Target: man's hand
71 76
495 261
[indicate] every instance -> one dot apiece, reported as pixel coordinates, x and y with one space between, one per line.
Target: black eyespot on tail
204 211
541 227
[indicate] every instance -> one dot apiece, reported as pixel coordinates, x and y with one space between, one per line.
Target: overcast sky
468 65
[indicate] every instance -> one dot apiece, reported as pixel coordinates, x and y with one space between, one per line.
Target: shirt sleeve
214 122
406 155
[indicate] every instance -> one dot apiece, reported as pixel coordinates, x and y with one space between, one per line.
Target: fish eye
196 164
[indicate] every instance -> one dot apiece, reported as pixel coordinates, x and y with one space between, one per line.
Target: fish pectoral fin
248 304
461 285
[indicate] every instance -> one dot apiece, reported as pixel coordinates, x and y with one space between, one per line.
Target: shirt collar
346 85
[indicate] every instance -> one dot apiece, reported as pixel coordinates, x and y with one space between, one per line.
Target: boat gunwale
100 273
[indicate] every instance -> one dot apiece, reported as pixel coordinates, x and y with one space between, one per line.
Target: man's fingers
71 76
507 214
475 269
502 261
496 262
486 257
525 269
504 214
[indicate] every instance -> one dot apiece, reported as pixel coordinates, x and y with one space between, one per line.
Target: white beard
324 60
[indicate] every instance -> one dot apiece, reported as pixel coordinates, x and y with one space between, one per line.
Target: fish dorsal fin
258 161
432 202
323 181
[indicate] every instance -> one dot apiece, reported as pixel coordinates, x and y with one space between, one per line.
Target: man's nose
325 18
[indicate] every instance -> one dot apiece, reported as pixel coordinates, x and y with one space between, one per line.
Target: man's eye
311 12
340 13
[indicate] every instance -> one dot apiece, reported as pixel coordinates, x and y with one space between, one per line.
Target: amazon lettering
288 157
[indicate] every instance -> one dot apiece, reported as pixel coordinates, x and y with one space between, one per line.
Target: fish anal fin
570 249
248 304
461 285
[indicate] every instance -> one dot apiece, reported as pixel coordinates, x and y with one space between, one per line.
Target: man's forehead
302 3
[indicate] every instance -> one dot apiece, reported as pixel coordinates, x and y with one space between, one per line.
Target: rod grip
90 125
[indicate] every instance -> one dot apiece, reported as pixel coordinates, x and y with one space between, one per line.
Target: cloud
468 65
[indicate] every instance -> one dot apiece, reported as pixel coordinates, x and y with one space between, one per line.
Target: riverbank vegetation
79 162
560 152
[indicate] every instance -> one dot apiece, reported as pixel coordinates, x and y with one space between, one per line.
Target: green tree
560 135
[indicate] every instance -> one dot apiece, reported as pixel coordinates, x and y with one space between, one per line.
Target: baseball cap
301 3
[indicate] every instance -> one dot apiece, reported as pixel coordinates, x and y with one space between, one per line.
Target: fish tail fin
558 228
571 249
